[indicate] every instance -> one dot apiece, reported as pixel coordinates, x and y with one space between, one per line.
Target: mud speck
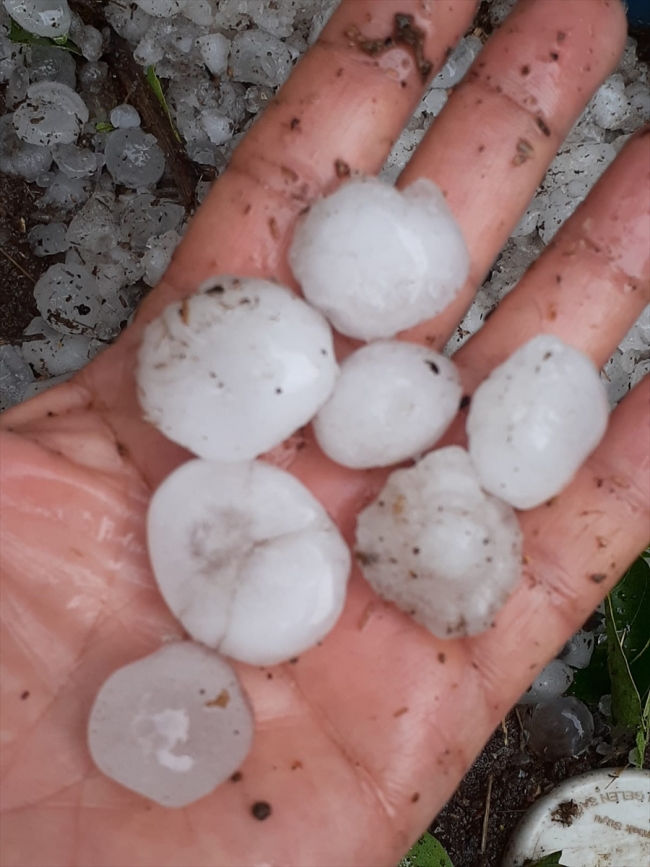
261 810
341 168
407 33
566 813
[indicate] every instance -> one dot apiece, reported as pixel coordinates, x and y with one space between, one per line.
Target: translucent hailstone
134 158
257 57
90 42
158 256
53 113
76 162
172 726
51 353
609 107
93 228
258 97
129 20
199 11
439 547
49 18
233 371
247 559
161 8
458 63
376 260
217 126
214 48
19 158
15 376
560 728
578 649
48 240
392 401
125 116
51 64
534 420
144 216
41 385
64 193
552 681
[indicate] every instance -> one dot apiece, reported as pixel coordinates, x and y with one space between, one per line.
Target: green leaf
104 127
24 37
155 85
626 701
427 852
631 611
642 737
551 860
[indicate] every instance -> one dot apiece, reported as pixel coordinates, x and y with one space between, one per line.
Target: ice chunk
52 114
144 216
158 256
258 97
578 649
257 57
247 558
125 117
15 376
90 42
560 728
51 353
458 63
48 240
134 158
17 86
392 401
609 106
218 127
214 48
162 8
19 158
127 19
12 55
231 100
199 11
231 372
401 153
440 548
49 18
65 193
534 420
76 162
376 260
51 64
552 681
499 10
172 726
93 228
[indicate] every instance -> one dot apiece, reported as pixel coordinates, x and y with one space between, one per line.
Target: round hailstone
392 401
438 547
53 113
134 158
534 420
376 260
551 682
49 18
161 8
247 559
172 726
125 116
233 371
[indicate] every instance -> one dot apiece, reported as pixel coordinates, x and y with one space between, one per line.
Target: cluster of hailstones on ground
244 555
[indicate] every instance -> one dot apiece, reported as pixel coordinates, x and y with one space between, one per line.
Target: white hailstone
439 547
609 106
76 162
218 127
158 256
49 18
53 113
199 12
134 158
93 228
172 726
392 401
90 42
51 353
534 420
578 649
144 216
551 682
125 116
247 559
233 371
214 48
161 8
376 260
257 57
48 240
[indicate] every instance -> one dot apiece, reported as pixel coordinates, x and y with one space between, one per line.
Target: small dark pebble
261 810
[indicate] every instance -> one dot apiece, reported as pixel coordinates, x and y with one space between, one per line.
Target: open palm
363 738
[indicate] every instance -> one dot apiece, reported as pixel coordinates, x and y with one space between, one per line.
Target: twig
504 727
18 266
486 815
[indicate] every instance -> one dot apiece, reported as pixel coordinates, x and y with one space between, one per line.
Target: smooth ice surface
214 48
161 8
440 548
534 420
76 162
257 57
51 64
247 559
172 726
552 681
46 240
392 401
232 371
17 157
125 116
134 158
146 215
52 114
578 649
51 353
560 728
376 260
49 18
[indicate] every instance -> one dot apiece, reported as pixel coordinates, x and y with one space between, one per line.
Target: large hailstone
233 371
172 726
534 420
247 559
376 260
49 18
392 401
439 547
53 113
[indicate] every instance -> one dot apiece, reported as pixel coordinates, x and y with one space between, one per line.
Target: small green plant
551 860
426 852
156 86
24 37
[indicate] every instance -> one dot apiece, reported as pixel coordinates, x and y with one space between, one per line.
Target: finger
489 148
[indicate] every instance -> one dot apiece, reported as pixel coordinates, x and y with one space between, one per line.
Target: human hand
363 739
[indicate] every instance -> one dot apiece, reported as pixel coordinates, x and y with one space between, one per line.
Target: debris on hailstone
376 260
247 559
439 547
53 113
534 420
551 682
50 18
172 726
560 728
392 401
234 370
